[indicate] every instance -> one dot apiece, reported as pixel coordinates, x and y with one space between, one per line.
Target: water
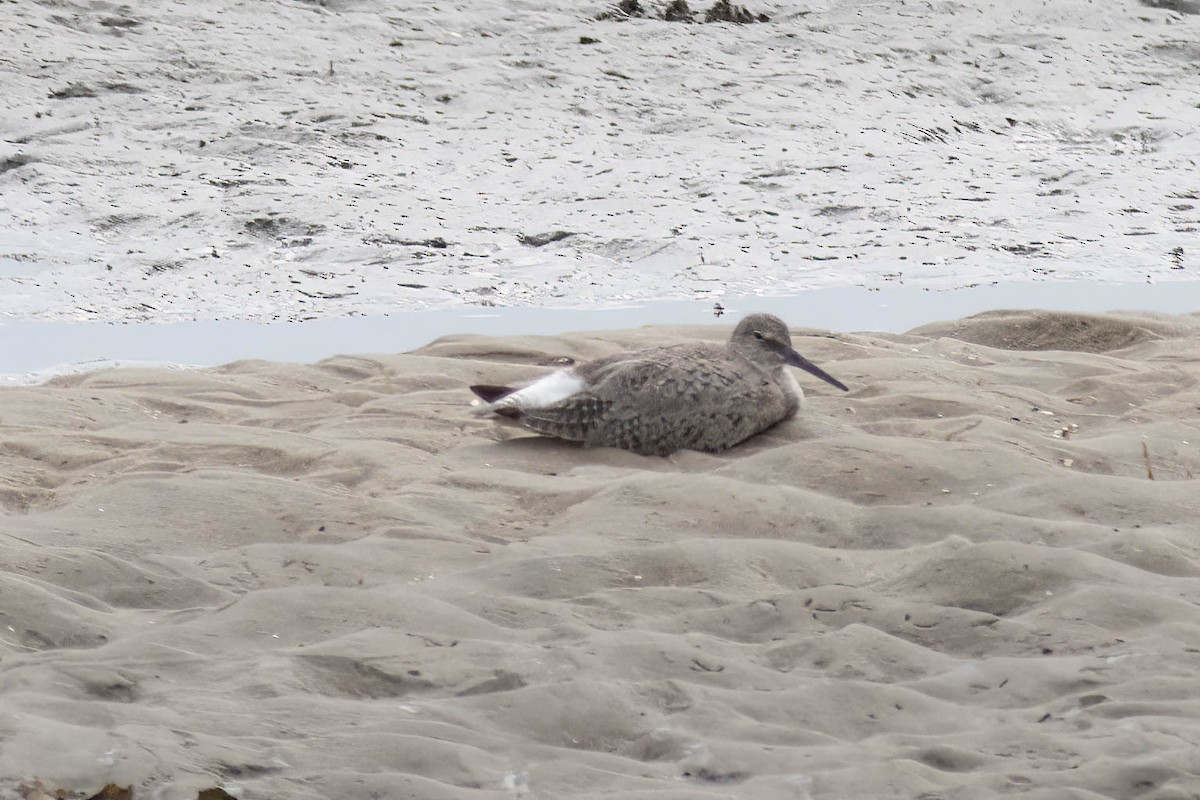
15 268
29 350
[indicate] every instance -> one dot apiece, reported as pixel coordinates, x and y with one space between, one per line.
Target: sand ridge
331 581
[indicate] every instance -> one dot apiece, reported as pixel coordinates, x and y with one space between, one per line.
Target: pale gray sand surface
284 159
331 581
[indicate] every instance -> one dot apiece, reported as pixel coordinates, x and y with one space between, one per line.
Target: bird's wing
572 418
663 378
609 386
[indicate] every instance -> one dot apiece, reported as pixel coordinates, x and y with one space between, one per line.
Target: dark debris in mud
680 11
542 239
73 90
15 162
84 90
725 11
38 790
436 242
290 232
120 22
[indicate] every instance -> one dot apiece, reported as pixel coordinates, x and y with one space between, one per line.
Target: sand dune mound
1056 330
976 574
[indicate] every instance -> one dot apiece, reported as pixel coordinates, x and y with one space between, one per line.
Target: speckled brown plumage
660 400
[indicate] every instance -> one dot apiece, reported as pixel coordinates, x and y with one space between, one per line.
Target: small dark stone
215 793
588 40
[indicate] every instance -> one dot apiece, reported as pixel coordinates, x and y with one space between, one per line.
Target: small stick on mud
1146 458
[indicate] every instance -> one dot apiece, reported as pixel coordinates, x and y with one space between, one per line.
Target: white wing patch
541 393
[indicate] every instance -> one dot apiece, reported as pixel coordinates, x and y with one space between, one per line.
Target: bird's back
658 401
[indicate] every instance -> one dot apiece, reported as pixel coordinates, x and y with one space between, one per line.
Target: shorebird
663 399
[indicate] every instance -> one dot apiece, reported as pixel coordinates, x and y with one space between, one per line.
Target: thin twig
1146 458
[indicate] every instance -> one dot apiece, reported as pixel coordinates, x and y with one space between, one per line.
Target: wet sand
170 161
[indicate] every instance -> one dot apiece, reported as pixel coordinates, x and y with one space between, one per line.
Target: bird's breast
791 389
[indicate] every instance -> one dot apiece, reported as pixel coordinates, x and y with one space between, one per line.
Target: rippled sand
330 581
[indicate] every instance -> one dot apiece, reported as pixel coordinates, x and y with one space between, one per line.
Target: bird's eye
758 335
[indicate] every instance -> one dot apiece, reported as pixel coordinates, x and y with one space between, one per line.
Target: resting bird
663 399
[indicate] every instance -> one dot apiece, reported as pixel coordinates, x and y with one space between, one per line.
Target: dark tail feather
489 393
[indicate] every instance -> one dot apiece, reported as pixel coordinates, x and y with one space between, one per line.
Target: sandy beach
975 575
958 580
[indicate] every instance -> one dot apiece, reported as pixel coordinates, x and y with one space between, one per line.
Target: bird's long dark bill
797 360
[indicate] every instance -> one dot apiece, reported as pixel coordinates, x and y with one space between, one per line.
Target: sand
975 575
289 159
957 581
